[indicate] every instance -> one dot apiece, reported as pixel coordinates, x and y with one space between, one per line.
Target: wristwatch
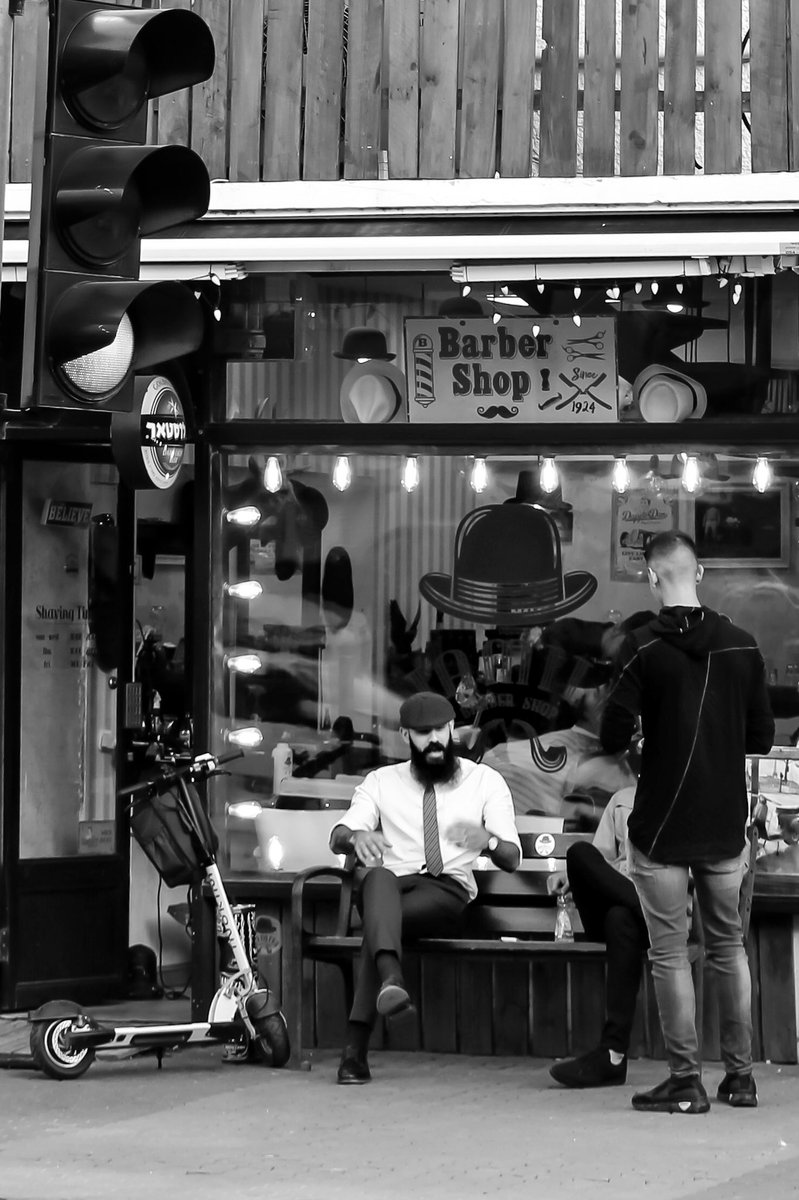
493 842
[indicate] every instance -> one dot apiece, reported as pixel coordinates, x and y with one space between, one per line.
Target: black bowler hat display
364 343
508 570
529 491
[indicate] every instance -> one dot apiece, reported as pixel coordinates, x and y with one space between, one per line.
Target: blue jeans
663 892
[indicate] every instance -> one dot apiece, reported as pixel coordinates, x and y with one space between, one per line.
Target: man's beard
436 770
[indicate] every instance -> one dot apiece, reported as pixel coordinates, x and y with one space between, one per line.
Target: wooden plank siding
332 89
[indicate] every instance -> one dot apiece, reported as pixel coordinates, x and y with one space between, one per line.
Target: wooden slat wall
679 106
639 88
479 90
723 76
282 90
599 108
518 89
559 62
444 88
364 82
769 85
323 84
438 86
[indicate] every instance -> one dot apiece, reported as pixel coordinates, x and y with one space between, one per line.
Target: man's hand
369 847
470 837
558 884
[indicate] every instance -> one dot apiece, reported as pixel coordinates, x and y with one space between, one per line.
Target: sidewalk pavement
430 1126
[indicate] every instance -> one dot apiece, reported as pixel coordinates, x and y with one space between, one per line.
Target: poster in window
636 517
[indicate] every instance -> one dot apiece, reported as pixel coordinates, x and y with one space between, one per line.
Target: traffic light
90 324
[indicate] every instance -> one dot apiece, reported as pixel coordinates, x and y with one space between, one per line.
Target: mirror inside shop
503 571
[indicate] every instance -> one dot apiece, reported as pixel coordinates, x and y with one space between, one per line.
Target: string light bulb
245 516
762 475
691 475
244 664
736 292
654 286
479 476
536 330
577 291
273 476
410 474
540 287
247 738
342 473
548 476
639 287
621 476
467 287
247 589
578 320
497 317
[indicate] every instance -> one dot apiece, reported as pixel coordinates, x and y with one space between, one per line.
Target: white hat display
373 393
665 395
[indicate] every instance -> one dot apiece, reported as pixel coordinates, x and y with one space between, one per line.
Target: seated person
416 828
541 771
610 911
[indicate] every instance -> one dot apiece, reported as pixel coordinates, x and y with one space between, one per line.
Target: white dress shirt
390 798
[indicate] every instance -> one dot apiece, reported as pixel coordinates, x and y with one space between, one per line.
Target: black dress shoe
353 1070
393 997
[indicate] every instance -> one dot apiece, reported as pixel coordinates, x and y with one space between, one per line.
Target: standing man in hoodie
698 684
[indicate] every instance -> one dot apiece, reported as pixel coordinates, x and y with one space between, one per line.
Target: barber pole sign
524 370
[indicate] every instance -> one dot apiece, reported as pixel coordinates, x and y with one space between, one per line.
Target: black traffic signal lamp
90 324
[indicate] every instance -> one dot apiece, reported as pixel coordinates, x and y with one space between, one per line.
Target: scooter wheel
272 1047
52 1053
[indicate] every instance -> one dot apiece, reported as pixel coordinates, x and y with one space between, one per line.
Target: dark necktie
432 846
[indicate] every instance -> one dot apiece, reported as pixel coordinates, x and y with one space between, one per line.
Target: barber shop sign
532 370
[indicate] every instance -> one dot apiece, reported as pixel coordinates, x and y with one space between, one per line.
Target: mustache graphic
497 410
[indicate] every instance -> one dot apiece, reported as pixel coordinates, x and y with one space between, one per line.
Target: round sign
149 443
544 844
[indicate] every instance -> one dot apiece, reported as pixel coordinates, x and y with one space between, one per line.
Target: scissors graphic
588 347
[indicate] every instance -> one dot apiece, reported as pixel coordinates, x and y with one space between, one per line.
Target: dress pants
396 909
610 911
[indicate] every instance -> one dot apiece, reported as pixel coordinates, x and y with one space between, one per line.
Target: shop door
66 865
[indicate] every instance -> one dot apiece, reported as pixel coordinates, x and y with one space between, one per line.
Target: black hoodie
699 685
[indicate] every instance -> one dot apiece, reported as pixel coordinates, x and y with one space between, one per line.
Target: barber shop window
343 583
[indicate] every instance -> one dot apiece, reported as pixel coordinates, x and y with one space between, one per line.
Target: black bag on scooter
177 843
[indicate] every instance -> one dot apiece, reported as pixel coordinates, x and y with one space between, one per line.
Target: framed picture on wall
636 517
735 526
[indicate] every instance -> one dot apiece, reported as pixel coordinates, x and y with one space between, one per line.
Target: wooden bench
510 921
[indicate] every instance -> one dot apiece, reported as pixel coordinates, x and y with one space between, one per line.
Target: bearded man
416 829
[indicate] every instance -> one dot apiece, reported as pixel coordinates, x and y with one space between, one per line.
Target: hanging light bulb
691 475
761 476
723 281
467 287
244 664
410 474
577 291
548 476
248 589
639 287
621 476
536 330
479 476
275 852
497 317
654 287
273 476
342 474
540 287
653 477
736 292
248 514
578 320
680 287
247 738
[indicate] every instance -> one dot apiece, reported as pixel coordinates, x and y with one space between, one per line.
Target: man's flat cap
426 711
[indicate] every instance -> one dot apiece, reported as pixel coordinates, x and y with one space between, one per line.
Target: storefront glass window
341 587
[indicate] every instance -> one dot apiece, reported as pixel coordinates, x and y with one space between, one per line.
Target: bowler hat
508 570
425 711
363 343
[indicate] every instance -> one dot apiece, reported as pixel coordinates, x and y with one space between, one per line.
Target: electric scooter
171 826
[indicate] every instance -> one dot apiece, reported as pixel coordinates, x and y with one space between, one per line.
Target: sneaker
738 1090
589 1070
677 1094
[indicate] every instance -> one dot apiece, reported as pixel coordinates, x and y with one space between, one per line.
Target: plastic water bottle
282 765
564 931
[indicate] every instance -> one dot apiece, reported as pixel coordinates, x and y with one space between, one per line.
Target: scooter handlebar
201 766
